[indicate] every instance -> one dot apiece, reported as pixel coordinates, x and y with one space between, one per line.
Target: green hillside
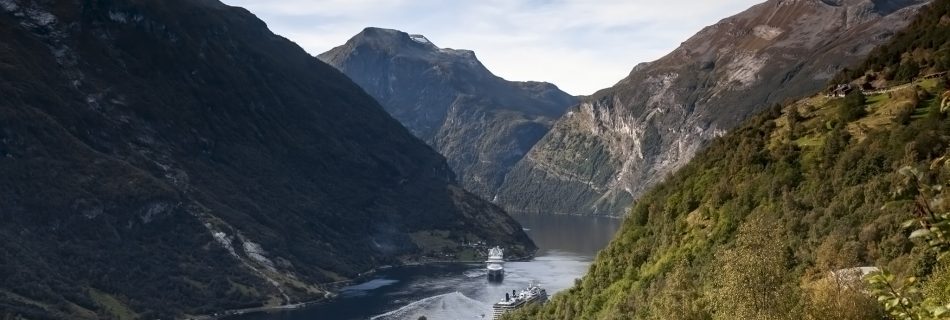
766 212
755 225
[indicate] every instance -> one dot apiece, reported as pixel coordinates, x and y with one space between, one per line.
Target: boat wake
453 305
475 273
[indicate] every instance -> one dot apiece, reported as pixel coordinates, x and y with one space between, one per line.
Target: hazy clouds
581 46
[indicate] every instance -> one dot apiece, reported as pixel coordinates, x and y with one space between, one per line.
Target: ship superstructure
532 294
495 263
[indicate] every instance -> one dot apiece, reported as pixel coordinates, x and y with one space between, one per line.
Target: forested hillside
757 224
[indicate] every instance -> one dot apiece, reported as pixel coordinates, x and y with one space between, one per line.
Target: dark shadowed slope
161 158
481 123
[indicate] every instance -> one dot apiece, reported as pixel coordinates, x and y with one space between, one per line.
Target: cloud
580 45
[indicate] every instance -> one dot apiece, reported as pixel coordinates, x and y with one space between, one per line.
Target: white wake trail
453 305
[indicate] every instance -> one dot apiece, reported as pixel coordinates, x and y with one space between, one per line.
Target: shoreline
239 312
534 213
332 294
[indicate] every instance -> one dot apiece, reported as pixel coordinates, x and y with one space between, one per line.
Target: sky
579 45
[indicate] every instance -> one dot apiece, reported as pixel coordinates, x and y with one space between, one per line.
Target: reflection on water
574 234
362 288
567 245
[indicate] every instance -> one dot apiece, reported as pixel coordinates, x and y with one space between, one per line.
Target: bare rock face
603 153
481 123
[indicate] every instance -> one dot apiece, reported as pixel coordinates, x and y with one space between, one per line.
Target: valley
567 245
180 160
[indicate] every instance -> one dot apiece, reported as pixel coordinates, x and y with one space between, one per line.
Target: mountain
168 158
926 41
620 141
481 123
769 220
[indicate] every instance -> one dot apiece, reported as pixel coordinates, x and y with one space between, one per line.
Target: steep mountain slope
481 123
764 222
161 158
622 140
920 50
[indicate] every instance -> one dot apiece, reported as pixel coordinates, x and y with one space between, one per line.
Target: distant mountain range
168 158
481 123
622 140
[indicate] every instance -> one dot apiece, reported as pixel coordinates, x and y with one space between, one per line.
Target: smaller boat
517 300
495 263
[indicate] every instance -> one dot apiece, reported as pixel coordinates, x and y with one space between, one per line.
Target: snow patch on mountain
419 38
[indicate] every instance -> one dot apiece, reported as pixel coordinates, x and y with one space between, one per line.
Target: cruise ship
532 294
495 264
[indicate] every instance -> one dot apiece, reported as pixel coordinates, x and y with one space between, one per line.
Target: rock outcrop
620 141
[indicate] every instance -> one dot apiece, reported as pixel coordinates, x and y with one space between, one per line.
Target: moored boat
495 263
517 300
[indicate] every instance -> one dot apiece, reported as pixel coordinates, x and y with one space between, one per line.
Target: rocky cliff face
163 158
481 123
605 152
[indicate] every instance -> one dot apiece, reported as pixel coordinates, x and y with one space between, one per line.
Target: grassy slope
754 224
821 191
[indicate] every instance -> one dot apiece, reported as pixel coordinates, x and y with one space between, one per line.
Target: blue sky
580 45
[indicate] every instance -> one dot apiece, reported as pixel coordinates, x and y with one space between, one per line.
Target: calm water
567 244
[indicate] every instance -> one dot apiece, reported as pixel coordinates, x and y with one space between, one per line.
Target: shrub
852 107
